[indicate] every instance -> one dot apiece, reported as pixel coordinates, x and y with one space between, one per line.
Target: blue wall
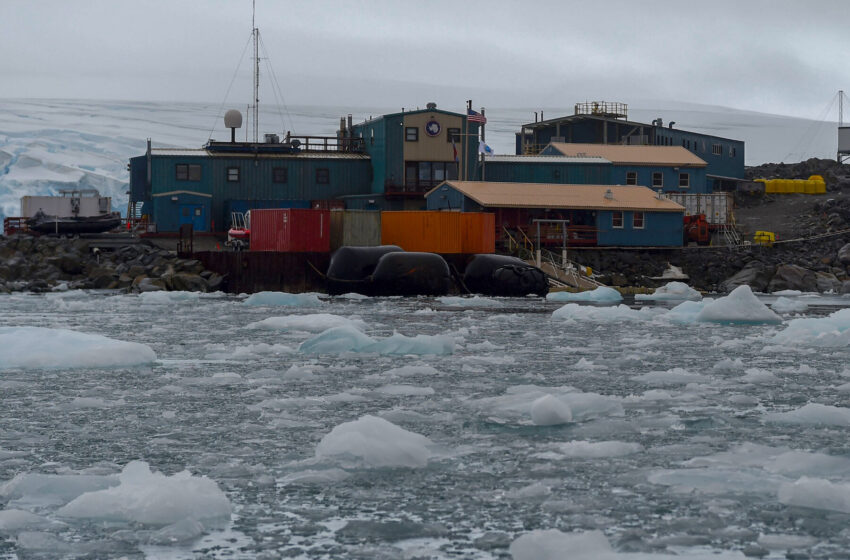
543 171
171 213
660 229
669 176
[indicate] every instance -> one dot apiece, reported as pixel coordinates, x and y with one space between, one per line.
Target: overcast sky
786 57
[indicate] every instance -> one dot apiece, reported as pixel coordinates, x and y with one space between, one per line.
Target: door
193 214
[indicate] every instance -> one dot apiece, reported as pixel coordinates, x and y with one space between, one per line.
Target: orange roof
544 195
633 155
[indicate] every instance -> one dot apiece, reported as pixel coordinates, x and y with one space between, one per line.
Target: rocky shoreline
41 264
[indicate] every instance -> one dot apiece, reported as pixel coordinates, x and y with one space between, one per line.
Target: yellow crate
764 238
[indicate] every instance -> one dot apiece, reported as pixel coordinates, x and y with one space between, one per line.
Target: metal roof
544 195
545 159
200 152
633 155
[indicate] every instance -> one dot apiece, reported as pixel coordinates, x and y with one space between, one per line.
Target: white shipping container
63 206
717 207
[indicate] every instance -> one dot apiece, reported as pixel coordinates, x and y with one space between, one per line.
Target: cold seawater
316 427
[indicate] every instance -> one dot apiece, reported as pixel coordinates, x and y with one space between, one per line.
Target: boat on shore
73 225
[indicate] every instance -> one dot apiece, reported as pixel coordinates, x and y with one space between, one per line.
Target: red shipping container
291 230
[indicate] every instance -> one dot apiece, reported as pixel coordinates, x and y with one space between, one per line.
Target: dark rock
756 275
183 282
827 282
144 284
844 255
793 277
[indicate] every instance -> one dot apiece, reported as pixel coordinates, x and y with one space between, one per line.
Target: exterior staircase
562 272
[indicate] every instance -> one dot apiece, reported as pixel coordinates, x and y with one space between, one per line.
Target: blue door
193 214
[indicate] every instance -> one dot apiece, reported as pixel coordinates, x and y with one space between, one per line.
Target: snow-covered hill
50 145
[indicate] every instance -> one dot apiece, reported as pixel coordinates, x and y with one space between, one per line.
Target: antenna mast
256 33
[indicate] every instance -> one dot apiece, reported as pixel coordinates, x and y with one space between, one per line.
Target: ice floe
812 414
348 339
830 332
816 493
601 294
375 442
552 544
167 298
284 299
41 347
315 322
549 411
672 291
474 301
152 498
576 312
788 305
597 449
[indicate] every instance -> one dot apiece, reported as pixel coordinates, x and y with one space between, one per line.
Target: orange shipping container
478 230
427 231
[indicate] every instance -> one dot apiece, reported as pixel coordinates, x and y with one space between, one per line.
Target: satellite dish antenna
296 143
233 120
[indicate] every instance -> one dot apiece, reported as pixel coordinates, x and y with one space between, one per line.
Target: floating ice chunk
816 493
52 489
550 411
832 331
337 340
353 296
474 301
552 544
674 376
411 371
598 449
785 542
533 491
740 306
672 291
40 347
687 311
602 294
574 311
13 520
152 498
812 414
348 339
405 391
316 322
788 293
181 531
787 305
729 364
284 299
759 376
419 344
167 298
299 373
324 476
375 442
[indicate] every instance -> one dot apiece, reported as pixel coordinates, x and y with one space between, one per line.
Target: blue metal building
554 168
587 215
607 123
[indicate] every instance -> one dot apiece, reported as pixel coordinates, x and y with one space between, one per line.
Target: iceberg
152 498
598 449
602 294
740 306
672 291
813 414
316 322
375 442
788 305
831 331
284 299
574 311
348 339
475 301
552 544
550 411
41 347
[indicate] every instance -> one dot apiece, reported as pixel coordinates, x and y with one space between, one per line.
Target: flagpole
466 141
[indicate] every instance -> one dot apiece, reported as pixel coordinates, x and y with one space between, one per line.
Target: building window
280 175
323 176
411 134
731 151
556 174
657 179
717 149
232 174
422 175
187 172
617 220
684 180
372 136
631 178
637 220
453 135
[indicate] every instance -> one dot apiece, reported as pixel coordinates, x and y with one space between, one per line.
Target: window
453 134
683 142
232 174
617 220
197 211
556 174
637 220
187 172
323 176
717 149
731 151
421 175
280 175
684 180
411 134
631 178
657 179
372 136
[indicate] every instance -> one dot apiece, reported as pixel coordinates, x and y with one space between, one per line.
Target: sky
778 56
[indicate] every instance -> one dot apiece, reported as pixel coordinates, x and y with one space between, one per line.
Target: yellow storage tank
818 184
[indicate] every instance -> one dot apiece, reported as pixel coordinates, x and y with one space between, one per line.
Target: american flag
475 116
